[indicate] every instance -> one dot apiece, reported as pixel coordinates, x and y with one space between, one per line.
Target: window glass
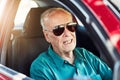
24 7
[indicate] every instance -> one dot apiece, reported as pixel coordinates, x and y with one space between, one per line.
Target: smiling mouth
67 42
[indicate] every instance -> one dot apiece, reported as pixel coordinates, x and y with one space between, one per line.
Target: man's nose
66 31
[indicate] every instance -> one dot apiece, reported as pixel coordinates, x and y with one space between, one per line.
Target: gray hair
46 14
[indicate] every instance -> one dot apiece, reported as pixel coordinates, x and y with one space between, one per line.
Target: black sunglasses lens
58 31
60 28
71 28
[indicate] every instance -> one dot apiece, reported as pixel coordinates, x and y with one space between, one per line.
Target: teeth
67 42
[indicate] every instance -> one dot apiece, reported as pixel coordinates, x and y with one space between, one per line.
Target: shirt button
77 71
66 62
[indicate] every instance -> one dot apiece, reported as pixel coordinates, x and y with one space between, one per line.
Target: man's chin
69 49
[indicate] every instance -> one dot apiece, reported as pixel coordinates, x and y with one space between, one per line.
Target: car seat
31 42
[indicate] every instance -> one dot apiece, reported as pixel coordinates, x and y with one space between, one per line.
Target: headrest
32 27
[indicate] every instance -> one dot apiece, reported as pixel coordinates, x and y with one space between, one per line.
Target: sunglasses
59 29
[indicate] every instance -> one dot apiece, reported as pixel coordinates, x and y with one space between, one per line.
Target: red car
22 40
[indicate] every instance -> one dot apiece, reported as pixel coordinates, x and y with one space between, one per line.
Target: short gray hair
46 14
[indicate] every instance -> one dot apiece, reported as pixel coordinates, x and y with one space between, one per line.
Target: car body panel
9 74
107 18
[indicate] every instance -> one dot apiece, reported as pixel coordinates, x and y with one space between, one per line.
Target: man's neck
69 57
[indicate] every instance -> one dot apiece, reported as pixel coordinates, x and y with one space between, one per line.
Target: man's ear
46 34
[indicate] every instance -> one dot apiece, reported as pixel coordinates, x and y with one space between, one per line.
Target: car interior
29 42
27 46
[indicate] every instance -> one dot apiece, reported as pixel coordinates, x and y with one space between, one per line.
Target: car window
83 37
24 7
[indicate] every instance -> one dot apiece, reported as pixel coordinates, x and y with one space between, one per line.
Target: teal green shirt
50 66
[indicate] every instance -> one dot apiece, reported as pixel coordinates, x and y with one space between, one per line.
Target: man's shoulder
42 57
84 52
80 50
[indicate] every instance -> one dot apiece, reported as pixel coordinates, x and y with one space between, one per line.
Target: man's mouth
67 42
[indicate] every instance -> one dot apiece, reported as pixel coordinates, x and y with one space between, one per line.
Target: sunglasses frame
59 29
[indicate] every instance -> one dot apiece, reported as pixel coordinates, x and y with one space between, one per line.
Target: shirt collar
60 61
78 55
56 58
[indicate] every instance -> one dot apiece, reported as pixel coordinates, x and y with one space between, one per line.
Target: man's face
65 42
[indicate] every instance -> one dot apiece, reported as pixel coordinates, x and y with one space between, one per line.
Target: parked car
22 40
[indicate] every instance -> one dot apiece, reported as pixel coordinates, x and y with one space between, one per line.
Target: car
22 40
